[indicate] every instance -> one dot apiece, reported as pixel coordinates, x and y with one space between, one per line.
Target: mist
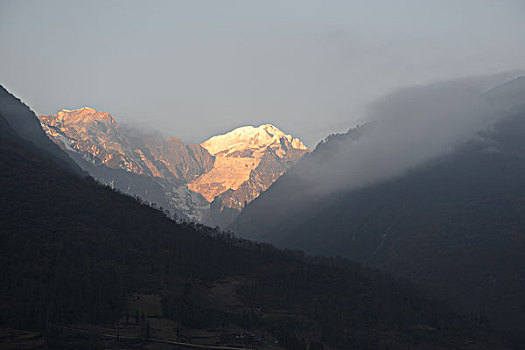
403 130
137 129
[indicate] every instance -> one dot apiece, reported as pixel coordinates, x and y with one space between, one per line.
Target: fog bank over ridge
404 129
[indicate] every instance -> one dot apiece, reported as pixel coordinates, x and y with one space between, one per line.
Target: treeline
72 250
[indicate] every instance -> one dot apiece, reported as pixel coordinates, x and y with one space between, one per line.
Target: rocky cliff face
239 152
227 171
248 160
227 205
100 140
157 170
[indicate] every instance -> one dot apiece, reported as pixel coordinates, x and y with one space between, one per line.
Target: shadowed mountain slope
25 124
454 224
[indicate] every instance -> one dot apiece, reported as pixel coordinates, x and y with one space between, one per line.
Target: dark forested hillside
454 225
73 251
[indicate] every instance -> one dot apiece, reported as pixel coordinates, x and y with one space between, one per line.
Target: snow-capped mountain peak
249 138
239 152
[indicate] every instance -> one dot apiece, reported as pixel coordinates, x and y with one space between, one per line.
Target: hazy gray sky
193 69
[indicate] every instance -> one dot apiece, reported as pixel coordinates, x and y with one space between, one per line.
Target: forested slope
454 224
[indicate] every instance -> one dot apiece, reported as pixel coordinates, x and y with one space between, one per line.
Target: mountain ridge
453 224
184 179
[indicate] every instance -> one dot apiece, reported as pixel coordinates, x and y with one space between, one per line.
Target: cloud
406 128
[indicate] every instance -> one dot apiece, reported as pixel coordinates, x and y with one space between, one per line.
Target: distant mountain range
209 182
454 223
